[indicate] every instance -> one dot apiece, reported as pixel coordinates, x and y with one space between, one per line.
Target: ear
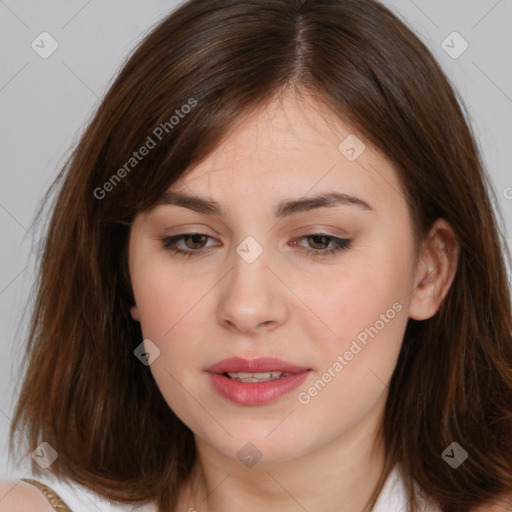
134 311
437 266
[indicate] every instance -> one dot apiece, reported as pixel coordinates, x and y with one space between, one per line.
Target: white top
393 498
79 499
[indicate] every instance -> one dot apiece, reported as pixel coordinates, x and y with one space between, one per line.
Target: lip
259 365
255 393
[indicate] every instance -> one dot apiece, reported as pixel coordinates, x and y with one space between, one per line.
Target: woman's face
284 271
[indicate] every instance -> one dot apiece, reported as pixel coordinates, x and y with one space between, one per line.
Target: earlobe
134 312
435 272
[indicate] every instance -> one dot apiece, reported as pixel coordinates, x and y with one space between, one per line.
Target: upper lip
259 365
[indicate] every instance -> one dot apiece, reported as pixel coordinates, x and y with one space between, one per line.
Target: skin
285 304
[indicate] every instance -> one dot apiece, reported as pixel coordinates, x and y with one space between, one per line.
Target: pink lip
255 393
259 365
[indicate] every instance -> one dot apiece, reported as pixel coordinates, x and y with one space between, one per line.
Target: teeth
256 377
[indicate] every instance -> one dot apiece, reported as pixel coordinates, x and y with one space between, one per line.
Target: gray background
44 104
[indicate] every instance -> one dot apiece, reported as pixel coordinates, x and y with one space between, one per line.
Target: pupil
316 237
195 238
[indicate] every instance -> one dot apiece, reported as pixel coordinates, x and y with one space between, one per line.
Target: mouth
259 367
256 377
255 381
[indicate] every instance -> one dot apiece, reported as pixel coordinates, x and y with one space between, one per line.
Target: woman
273 279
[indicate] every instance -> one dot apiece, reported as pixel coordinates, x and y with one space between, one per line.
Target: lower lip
256 393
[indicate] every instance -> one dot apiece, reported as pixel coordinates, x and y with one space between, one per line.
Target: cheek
367 331
170 316
173 316
357 362
163 299
363 318
369 291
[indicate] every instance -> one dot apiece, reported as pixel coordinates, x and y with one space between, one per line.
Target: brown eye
318 241
320 244
197 240
192 244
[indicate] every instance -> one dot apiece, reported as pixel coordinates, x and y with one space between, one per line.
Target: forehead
293 147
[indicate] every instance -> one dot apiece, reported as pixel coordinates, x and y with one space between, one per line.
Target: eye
321 239
196 242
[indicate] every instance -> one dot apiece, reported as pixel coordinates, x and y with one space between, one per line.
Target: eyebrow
283 209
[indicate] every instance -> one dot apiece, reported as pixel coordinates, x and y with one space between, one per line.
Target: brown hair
87 395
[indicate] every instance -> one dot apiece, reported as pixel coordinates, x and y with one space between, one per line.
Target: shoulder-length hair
193 77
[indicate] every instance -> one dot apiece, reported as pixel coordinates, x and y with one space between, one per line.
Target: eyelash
342 244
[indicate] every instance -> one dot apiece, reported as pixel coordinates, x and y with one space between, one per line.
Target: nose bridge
249 276
249 250
250 296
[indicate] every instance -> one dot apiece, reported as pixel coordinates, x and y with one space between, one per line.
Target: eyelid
317 229
339 244
313 229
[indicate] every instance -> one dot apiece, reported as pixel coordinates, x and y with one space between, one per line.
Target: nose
253 299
